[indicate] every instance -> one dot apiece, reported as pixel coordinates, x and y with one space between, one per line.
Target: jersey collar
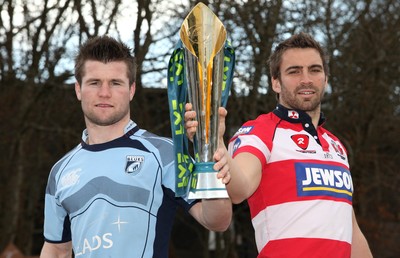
129 129
295 115
299 116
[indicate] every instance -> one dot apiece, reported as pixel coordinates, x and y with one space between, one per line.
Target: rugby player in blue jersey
113 194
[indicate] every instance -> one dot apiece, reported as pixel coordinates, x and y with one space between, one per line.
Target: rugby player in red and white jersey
293 172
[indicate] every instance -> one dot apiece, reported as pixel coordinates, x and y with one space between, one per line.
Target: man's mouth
306 92
103 105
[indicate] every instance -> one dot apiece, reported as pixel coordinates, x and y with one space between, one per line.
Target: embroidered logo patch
339 150
133 164
293 114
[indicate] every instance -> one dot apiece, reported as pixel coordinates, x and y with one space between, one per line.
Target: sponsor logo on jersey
94 243
302 141
307 151
244 130
133 164
99 241
293 114
236 144
323 180
119 223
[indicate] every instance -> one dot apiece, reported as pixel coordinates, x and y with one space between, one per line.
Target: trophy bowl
203 38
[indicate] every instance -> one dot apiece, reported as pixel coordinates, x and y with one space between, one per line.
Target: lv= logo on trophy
201 68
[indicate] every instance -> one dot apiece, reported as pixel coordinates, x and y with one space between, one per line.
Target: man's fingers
222 111
190 115
188 107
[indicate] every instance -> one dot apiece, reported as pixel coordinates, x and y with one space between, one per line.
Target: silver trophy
203 36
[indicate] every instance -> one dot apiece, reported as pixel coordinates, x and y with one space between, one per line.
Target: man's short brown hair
104 49
301 40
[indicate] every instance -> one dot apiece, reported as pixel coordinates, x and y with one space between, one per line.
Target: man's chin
308 105
102 121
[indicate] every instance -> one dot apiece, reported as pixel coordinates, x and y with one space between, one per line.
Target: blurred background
40 118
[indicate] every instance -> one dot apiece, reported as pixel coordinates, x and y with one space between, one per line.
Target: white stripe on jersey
252 141
290 220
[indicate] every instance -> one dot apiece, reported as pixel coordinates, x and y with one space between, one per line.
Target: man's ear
78 90
132 91
276 85
326 83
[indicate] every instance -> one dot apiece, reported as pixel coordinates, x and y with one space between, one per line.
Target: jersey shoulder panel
256 137
163 146
263 126
57 167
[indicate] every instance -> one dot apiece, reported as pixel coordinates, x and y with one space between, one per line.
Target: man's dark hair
104 49
301 40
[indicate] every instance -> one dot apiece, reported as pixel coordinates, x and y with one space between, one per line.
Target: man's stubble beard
296 103
106 121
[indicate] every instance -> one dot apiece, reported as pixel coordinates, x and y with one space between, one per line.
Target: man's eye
116 83
316 70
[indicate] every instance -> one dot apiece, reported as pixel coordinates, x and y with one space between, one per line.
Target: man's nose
305 78
104 90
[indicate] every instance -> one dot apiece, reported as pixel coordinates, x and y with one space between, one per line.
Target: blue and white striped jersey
114 199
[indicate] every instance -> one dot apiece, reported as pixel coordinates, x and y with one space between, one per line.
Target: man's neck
315 115
98 134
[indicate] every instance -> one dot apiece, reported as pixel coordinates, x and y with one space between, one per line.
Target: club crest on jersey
315 179
293 114
133 164
339 149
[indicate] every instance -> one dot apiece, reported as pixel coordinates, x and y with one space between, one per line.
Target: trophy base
208 185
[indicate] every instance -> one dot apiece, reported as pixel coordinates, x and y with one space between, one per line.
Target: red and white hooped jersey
303 205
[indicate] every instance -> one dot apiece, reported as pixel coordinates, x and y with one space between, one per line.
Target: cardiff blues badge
133 164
